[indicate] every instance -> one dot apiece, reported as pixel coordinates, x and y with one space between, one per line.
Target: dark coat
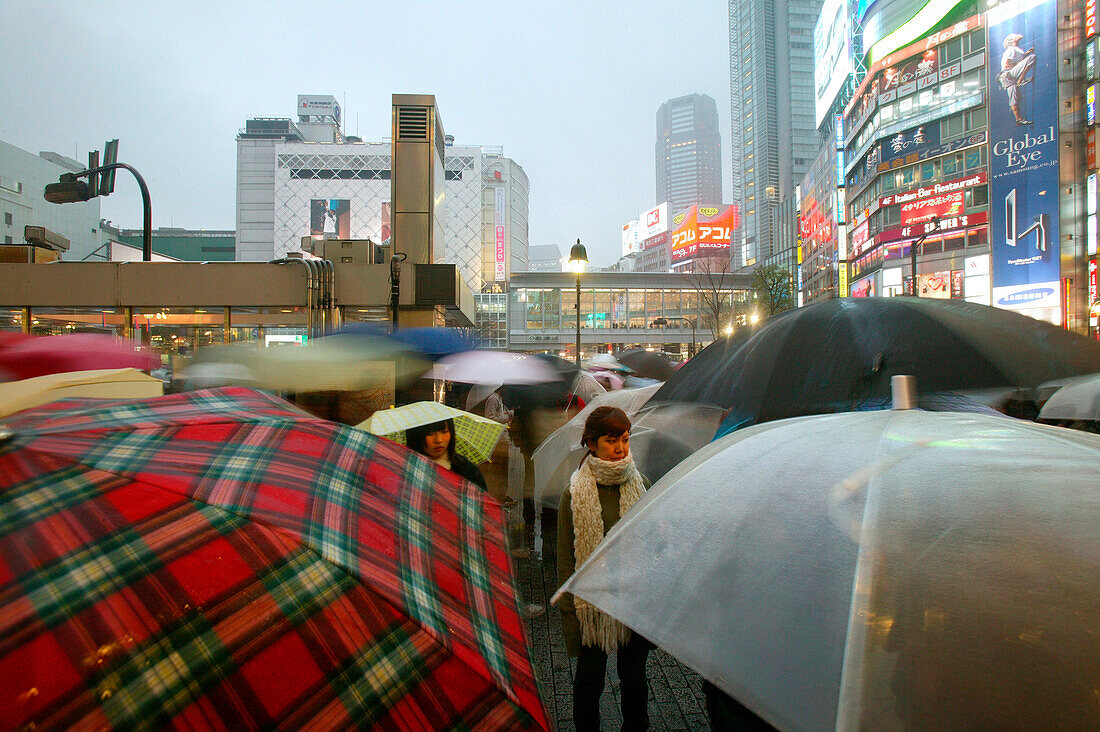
464 468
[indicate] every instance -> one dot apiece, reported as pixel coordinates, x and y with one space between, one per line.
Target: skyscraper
772 96
689 152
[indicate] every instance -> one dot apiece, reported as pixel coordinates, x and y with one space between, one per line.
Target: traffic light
107 179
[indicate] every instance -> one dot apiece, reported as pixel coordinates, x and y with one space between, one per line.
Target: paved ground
675 699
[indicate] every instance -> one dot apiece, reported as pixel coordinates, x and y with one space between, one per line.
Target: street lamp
918 243
729 330
578 257
70 189
664 321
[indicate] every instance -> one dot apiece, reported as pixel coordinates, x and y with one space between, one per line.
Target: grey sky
569 89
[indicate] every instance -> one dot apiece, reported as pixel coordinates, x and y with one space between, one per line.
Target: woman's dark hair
415 437
604 421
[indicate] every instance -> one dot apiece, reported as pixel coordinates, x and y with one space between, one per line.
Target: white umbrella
1078 400
586 387
874 570
493 367
553 456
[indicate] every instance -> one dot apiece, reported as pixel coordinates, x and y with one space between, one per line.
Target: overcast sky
569 89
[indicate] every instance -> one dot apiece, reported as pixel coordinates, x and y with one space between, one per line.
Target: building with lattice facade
291 185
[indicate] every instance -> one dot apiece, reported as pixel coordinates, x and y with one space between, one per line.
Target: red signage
1090 18
926 209
1090 148
705 231
946 226
1092 290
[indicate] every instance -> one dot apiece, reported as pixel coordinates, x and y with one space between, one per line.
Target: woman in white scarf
601 490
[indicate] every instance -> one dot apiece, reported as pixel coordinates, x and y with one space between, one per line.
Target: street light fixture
578 257
70 189
689 321
918 243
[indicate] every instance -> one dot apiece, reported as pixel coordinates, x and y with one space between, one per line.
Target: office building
772 92
688 152
23 178
305 178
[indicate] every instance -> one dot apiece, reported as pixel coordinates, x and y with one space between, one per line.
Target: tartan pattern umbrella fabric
218 559
475 437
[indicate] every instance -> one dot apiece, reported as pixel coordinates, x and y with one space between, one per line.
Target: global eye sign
1023 169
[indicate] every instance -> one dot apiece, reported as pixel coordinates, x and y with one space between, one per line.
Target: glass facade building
621 310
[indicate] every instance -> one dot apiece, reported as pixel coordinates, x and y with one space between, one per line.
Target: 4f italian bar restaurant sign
938 201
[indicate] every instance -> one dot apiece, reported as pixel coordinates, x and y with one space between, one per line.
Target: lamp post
918 243
689 321
578 257
70 189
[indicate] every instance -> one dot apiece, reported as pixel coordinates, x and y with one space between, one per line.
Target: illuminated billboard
500 248
653 222
330 218
631 240
832 55
704 231
1023 166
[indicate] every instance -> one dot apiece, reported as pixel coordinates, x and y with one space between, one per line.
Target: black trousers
588 685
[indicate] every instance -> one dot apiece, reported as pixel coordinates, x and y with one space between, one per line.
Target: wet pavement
675 698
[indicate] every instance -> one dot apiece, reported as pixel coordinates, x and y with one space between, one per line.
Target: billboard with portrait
631 240
832 55
1023 188
330 218
704 231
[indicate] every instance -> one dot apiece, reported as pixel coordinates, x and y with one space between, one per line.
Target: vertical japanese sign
1023 122
500 273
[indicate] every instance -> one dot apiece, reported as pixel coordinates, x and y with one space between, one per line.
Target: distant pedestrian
436 442
605 486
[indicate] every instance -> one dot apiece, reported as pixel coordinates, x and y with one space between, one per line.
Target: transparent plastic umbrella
1077 400
874 570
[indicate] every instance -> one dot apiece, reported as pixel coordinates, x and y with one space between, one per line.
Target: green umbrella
475 437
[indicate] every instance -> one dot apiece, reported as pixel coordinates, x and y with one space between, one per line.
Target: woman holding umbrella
436 442
605 486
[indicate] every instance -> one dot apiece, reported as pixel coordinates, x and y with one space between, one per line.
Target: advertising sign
318 105
1090 18
1090 149
386 221
655 241
832 55
936 285
1090 105
1023 121
500 270
630 238
330 218
705 231
1092 290
653 222
937 189
934 207
863 287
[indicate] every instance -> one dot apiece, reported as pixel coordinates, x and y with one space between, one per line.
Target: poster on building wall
1023 195
864 287
330 218
706 231
386 222
500 272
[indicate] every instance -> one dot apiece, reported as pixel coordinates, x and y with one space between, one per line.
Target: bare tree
772 285
714 285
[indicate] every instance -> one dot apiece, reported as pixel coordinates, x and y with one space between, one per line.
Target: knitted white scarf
598 628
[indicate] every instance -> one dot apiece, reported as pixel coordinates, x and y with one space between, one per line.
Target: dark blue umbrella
435 343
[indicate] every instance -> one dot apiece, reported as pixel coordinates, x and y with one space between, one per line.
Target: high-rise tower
772 97
689 152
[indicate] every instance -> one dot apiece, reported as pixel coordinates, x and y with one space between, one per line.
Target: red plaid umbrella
219 559
30 357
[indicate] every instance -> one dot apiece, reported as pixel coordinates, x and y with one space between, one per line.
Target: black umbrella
836 355
699 380
647 364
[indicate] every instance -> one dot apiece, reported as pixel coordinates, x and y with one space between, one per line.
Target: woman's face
612 447
435 444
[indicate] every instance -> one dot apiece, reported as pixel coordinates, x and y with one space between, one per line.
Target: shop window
951 126
950 52
888 183
906 176
929 171
979 238
891 215
976 119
